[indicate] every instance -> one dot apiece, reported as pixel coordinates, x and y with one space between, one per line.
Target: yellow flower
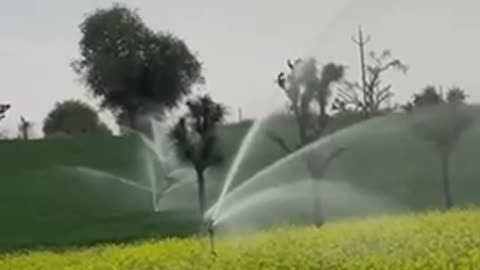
429 241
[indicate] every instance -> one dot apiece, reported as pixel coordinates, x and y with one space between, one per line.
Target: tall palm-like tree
442 123
196 140
309 90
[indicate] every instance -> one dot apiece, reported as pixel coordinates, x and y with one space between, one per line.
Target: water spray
211 235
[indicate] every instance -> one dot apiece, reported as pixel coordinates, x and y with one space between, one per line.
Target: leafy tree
371 94
430 95
3 110
456 94
73 118
305 85
443 124
132 69
196 141
308 90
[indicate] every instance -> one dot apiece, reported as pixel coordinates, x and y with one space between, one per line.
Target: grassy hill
424 241
44 202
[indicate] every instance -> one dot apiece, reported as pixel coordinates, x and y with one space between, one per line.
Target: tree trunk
132 121
24 133
318 219
317 170
201 192
323 117
302 129
447 193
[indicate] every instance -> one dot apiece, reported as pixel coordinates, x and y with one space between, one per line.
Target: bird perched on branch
3 109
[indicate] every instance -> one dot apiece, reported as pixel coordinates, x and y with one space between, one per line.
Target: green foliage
443 124
427 241
73 118
303 85
455 95
131 68
196 140
441 120
430 95
195 134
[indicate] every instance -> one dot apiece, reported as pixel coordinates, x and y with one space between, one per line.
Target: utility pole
361 41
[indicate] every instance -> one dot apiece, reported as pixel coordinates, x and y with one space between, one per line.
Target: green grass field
424 241
43 204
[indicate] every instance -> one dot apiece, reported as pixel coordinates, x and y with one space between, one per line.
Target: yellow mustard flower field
425 241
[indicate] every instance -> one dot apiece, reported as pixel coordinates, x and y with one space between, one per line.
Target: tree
196 141
303 86
306 86
428 96
431 96
25 128
456 94
371 95
132 69
3 110
443 124
73 118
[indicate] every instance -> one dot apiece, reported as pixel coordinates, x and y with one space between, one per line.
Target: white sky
243 45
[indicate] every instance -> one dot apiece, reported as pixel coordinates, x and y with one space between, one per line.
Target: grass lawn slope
44 204
423 241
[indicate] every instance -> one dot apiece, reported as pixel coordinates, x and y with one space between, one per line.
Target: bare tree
371 94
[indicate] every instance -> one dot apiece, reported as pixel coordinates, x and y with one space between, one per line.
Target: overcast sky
243 45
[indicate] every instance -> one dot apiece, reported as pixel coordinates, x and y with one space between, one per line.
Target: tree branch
279 141
318 171
333 156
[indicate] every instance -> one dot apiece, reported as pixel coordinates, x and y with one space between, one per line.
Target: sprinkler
211 236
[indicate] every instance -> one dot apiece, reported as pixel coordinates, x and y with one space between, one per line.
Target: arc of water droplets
278 164
235 166
157 146
109 175
239 157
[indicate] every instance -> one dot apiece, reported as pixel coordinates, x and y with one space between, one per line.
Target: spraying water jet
245 145
211 235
